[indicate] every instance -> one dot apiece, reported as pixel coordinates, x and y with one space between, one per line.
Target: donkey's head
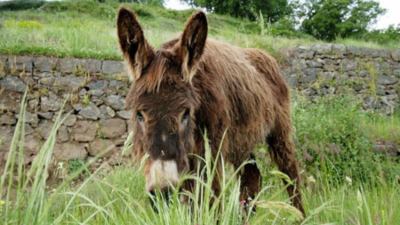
162 96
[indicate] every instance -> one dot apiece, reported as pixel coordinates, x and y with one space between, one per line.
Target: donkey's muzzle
162 174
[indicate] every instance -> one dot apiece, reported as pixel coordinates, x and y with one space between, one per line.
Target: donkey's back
255 109
251 91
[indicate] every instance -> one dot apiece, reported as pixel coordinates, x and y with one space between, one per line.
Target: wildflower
60 166
348 180
311 179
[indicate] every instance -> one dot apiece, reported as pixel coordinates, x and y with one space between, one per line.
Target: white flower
311 179
348 180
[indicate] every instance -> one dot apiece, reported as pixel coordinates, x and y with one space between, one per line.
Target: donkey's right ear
192 43
134 46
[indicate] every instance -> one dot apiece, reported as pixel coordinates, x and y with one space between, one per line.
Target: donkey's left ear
133 44
192 43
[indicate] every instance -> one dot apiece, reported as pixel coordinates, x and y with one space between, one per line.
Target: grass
86 29
383 128
118 197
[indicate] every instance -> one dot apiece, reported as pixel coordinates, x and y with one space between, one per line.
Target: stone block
112 128
101 147
45 64
112 67
13 83
84 131
90 112
68 151
115 101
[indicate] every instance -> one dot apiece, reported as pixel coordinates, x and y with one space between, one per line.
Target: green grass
86 29
118 197
367 44
63 34
383 128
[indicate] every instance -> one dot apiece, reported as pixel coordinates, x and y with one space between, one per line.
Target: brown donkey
193 84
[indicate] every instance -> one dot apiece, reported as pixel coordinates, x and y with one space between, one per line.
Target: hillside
86 29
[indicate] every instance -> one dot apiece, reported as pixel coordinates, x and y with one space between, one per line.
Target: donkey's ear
134 46
192 43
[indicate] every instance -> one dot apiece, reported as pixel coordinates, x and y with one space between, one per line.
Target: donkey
194 84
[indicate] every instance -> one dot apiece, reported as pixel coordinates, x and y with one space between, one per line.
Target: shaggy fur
195 84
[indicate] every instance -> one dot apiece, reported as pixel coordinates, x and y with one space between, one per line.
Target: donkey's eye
185 116
139 116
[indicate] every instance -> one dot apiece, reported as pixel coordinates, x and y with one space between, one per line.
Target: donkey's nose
162 174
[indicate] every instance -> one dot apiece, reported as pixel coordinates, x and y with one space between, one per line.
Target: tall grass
336 140
115 198
118 197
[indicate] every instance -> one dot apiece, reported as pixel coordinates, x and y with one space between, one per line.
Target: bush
384 36
285 27
329 19
332 141
273 10
20 5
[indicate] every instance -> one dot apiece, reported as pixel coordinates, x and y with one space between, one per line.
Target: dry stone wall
373 75
96 89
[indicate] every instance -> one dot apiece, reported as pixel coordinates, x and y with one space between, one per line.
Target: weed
75 165
335 141
373 78
86 100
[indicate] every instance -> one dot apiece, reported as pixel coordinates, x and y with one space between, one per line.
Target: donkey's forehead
166 56
168 98
161 84
160 69
163 96
170 44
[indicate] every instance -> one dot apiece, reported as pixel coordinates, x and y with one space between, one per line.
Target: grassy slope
87 29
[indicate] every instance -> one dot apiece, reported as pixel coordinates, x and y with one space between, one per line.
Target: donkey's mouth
162 174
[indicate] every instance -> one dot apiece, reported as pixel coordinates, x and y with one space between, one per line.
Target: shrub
331 140
383 36
20 5
286 27
329 19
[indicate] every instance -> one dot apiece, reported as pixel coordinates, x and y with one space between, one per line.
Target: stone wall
372 75
96 90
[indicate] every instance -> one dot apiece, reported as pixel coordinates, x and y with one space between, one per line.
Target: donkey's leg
250 181
282 152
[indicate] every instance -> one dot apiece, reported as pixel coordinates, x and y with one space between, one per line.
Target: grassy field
87 29
356 186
